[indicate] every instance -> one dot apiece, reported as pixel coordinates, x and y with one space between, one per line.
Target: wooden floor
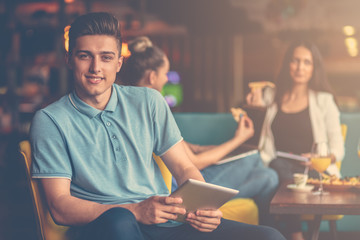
17 220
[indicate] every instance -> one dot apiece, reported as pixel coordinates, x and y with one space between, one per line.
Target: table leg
316 227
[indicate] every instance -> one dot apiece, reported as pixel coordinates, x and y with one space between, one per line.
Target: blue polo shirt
106 154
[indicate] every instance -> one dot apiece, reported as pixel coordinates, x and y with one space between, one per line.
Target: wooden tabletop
287 201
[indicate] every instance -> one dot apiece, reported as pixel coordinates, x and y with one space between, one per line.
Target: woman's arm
333 128
213 154
195 148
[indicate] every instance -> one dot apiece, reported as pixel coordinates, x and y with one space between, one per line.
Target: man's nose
95 65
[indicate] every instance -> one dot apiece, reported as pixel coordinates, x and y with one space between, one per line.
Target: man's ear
120 62
68 60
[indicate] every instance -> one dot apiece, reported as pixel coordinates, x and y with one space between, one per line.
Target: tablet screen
202 195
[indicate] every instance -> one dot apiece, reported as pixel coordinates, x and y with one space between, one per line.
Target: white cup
300 179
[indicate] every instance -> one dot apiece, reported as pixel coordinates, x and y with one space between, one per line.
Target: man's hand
157 209
205 220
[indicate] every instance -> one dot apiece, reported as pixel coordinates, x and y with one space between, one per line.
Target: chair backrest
164 171
47 229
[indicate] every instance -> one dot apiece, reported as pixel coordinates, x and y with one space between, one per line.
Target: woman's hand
308 163
255 98
245 129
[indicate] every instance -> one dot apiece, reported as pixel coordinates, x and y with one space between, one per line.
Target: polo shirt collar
90 111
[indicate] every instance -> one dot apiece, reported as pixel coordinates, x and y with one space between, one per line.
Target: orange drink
320 164
359 153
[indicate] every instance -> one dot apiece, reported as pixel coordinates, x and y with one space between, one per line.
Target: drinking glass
320 161
358 148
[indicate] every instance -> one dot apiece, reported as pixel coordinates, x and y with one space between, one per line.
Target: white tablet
202 195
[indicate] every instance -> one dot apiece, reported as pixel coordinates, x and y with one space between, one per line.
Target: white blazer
325 122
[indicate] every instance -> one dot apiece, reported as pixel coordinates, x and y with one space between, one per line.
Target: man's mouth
94 79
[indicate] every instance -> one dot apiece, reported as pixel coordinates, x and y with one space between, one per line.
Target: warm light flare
352 46
68 1
66 38
350 42
349 30
125 50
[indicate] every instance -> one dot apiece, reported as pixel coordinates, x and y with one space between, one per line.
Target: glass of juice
320 161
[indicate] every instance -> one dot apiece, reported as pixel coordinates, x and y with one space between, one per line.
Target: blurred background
215 48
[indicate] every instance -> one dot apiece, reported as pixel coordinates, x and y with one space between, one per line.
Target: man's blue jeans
120 224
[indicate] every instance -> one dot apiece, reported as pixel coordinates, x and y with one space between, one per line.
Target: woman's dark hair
97 23
318 81
144 56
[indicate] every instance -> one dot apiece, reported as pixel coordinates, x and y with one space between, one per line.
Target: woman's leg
250 177
266 181
231 174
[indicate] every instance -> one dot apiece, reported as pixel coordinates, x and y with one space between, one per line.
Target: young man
92 150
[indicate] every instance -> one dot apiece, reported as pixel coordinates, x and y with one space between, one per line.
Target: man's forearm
69 210
72 211
191 172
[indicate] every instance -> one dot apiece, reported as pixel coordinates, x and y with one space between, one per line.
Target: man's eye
84 56
107 58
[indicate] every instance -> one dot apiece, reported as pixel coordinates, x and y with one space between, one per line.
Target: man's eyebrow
90 53
83 51
108 52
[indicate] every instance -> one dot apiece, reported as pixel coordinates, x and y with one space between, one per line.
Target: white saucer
306 188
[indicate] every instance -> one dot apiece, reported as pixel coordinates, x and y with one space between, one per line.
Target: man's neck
98 102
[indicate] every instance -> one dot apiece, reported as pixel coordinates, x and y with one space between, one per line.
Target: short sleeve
166 131
49 151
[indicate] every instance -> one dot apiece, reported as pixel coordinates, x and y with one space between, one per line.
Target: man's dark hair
97 23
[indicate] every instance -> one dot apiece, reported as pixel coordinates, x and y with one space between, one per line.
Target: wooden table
287 201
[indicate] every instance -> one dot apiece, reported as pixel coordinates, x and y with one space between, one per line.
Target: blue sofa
215 128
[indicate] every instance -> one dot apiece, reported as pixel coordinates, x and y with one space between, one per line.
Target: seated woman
303 112
147 67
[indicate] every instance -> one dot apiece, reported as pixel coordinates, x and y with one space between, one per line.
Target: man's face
95 61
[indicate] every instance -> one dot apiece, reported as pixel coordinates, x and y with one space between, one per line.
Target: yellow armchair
47 229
